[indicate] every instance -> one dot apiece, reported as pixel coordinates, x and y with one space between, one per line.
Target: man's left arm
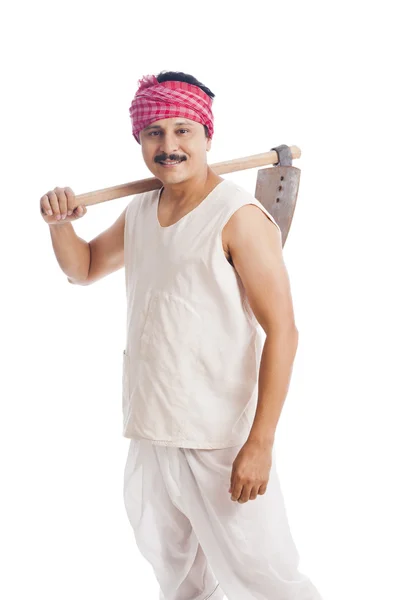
254 244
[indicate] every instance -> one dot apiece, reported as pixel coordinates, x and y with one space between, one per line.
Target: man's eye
151 132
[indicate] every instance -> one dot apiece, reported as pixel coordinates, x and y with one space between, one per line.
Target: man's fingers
262 488
52 197
246 490
254 492
62 201
236 490
45 205
69 193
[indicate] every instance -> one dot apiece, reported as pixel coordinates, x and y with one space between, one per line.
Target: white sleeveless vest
193 345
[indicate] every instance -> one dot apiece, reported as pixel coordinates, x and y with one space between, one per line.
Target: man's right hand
61 203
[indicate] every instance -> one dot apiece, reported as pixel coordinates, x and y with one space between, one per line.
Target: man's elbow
282 329
289 335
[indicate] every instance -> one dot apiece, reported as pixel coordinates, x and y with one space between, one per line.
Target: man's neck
190 192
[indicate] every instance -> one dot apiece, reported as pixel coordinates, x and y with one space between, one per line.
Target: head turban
154 101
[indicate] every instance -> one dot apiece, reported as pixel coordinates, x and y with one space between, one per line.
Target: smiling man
211 340
210 344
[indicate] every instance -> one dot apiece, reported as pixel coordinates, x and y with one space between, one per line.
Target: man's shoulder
236 196
246 210
234 192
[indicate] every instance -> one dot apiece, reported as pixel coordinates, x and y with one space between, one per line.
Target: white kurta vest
193 345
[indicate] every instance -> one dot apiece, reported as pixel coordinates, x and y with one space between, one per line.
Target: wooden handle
152 183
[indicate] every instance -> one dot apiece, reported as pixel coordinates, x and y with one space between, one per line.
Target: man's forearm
274 378
71 251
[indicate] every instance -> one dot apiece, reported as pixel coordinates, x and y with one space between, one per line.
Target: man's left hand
250 471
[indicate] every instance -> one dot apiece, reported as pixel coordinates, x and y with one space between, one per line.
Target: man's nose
169 144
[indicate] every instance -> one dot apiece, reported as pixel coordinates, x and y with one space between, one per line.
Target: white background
314 74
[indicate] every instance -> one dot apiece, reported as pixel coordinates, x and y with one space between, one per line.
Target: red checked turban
154 101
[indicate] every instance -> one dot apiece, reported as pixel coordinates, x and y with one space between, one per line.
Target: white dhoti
201 544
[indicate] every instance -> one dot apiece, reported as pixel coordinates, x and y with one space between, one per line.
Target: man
203 387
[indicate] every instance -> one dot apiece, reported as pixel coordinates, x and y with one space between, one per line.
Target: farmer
211 340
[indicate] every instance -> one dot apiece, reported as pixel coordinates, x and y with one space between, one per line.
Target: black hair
179 76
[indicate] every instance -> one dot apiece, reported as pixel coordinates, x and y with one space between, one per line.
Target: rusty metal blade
277 190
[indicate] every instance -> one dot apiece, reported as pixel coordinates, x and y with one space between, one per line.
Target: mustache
162 157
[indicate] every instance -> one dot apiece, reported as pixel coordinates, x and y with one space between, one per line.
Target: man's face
174 140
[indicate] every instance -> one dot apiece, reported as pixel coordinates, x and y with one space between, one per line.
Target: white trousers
201 544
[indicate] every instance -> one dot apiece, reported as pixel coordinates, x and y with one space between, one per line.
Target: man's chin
177 173
172 178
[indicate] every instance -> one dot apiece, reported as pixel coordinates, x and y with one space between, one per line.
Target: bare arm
106 253
254 243
72 253
86 262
